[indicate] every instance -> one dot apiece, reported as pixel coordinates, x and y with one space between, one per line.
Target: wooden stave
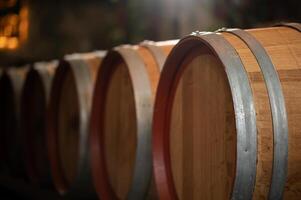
157 52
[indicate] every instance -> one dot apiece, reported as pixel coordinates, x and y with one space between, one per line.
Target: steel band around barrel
83 81
244 112
295 26
157 53
279 115
144 110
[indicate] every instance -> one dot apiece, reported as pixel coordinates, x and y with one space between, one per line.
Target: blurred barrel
121 120
34 102
227 116
67 129
12 159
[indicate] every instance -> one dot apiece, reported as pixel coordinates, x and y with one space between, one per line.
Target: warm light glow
2 42
13 19
12 43
13 27
23 26
8 30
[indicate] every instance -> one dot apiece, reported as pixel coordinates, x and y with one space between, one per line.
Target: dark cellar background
59 27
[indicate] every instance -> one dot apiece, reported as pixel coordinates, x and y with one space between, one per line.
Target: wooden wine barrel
227 116
120 140
12 160
34 102
67 123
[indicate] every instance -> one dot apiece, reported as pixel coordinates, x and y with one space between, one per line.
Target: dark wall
58 27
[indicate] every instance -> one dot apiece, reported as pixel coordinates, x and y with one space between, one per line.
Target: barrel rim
142 171
245 115
6 77
31 75
15 76
83 83
156 52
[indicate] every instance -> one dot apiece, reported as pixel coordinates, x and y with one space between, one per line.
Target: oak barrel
67 123
121 120
34 103
12 159
227 116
